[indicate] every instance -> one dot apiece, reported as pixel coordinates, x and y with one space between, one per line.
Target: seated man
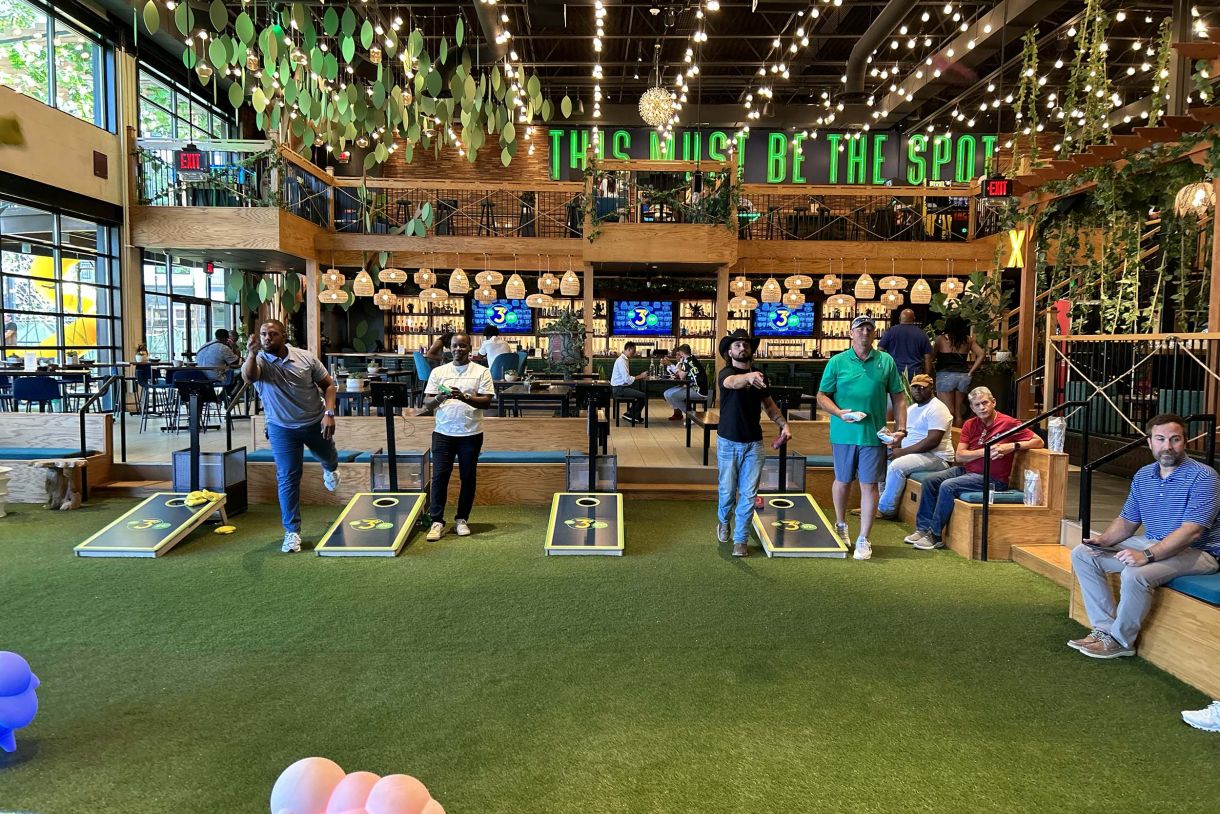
1175 499
941 489
928 444
687 369
216 358
491 348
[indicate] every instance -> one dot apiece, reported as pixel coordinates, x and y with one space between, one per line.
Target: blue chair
30 389
523 357
6 393
503 363
423 369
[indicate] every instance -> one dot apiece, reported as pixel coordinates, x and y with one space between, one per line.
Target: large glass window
58 286
169 110
183 305
52 60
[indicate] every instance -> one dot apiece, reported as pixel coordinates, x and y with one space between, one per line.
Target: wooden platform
1051 561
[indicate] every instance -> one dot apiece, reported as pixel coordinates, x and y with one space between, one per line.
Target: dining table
539 394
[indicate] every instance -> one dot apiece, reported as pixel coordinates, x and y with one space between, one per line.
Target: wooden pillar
1028 316
722 315
313 310
587 291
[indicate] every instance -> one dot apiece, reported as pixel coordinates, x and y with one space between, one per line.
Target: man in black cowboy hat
739 440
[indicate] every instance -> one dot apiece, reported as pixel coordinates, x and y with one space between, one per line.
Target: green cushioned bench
1010 497
820 461
523 456
346 456
38 453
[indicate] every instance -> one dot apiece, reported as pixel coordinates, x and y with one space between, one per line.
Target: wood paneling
686 243
508 484
1181 635
261 484
776 256
196 227
414 433
56 430
1051 561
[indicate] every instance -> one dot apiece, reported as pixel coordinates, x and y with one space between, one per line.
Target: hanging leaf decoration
152 17
349 22
184 18
366 35
330 22
218 15
460 33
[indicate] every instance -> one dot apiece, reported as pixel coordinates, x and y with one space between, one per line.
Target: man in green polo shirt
853 391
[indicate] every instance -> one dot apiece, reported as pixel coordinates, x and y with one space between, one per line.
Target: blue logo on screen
640 317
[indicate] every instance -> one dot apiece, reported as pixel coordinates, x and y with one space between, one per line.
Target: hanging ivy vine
1087 100
1025 142
1160 87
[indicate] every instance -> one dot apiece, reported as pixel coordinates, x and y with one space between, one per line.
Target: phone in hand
1105 549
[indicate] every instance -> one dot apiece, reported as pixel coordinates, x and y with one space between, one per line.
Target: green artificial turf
674 679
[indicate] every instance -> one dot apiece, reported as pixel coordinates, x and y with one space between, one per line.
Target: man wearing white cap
853 391
928 445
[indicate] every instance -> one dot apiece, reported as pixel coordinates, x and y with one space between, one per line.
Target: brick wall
454 167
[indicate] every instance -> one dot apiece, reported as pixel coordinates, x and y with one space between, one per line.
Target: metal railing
460 211
1085 512
1131 378
898 216
241 394
987 445
102 390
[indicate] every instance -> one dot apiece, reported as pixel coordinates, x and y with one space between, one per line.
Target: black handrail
1024 376
987 445
84 443
237 394
1085 512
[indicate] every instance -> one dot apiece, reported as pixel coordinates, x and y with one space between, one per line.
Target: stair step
669 491
134 488
1051 561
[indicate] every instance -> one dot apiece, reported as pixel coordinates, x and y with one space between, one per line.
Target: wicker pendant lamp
362 286
796 279
841 302
743 302
794 298
391 274
865 289
892 299
425 277
514 289
459 283
333 279
333 296
771 292
485 294
829 284
385 299
569 286
740 285
921 292
892 281
540 301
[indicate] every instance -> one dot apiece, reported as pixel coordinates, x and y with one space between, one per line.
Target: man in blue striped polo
1175 499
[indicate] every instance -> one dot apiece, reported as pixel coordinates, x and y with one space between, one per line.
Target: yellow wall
58 149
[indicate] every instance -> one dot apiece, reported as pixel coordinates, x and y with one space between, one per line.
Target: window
54 61
169 110
58 286
183 305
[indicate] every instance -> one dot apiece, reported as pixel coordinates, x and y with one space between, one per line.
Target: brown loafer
740 550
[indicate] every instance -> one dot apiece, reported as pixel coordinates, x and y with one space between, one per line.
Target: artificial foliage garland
1025 141
301 72
1160 87
1087 98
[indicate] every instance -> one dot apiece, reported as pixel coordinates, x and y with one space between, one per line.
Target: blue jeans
939 492
288 446
740 464
896 477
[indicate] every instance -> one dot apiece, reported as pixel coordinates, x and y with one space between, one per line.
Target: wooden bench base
1181 635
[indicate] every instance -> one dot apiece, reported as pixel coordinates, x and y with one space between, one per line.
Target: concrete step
1051 561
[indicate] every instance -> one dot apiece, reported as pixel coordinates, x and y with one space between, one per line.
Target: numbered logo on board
370 524
584 523
793 525
153 523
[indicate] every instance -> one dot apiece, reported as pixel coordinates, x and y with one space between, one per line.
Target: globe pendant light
362 286
794 298
743 302
771 292
656 105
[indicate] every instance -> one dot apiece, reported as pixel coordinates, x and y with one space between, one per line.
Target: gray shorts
865 464
948 381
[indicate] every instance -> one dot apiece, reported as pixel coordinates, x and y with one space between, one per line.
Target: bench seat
1204 587
507 456
1010 497
39 453
820 461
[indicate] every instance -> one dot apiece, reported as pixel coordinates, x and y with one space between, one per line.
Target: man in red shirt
941 489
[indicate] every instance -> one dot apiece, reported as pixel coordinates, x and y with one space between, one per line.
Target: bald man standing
909 345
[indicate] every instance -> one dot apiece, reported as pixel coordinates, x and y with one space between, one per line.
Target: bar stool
487 217
445 210
402 211
525 216
772 214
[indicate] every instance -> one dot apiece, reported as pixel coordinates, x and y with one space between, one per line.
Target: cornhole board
373 524
586 523
790 524
152 527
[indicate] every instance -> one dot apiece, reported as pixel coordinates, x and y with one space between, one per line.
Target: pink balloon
305 787
397 794
433 807
352 792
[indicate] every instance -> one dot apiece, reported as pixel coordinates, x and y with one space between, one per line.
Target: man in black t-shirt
739 438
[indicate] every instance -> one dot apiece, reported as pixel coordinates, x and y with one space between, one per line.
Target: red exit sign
191 163
997 188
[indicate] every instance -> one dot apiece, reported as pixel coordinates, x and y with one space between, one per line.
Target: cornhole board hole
373 524
586 523
791 524
151 528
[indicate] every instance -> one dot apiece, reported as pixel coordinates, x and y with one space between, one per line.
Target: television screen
510 316
642 318
777 319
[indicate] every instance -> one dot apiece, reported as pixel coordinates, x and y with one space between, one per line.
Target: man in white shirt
621 381
460 391
492 346
928 444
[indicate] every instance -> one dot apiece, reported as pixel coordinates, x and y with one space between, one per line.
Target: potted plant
566 351
356 383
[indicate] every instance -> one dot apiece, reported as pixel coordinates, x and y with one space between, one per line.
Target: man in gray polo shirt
299 405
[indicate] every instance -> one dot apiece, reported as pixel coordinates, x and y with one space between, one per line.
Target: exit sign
997 188
190 163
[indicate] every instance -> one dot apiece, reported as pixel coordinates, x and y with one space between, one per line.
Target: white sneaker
436 532
461 528
864 549
330 479
843 533
1207 719
915 536
292 542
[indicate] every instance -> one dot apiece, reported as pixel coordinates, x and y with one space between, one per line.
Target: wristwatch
330 413
1148 553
